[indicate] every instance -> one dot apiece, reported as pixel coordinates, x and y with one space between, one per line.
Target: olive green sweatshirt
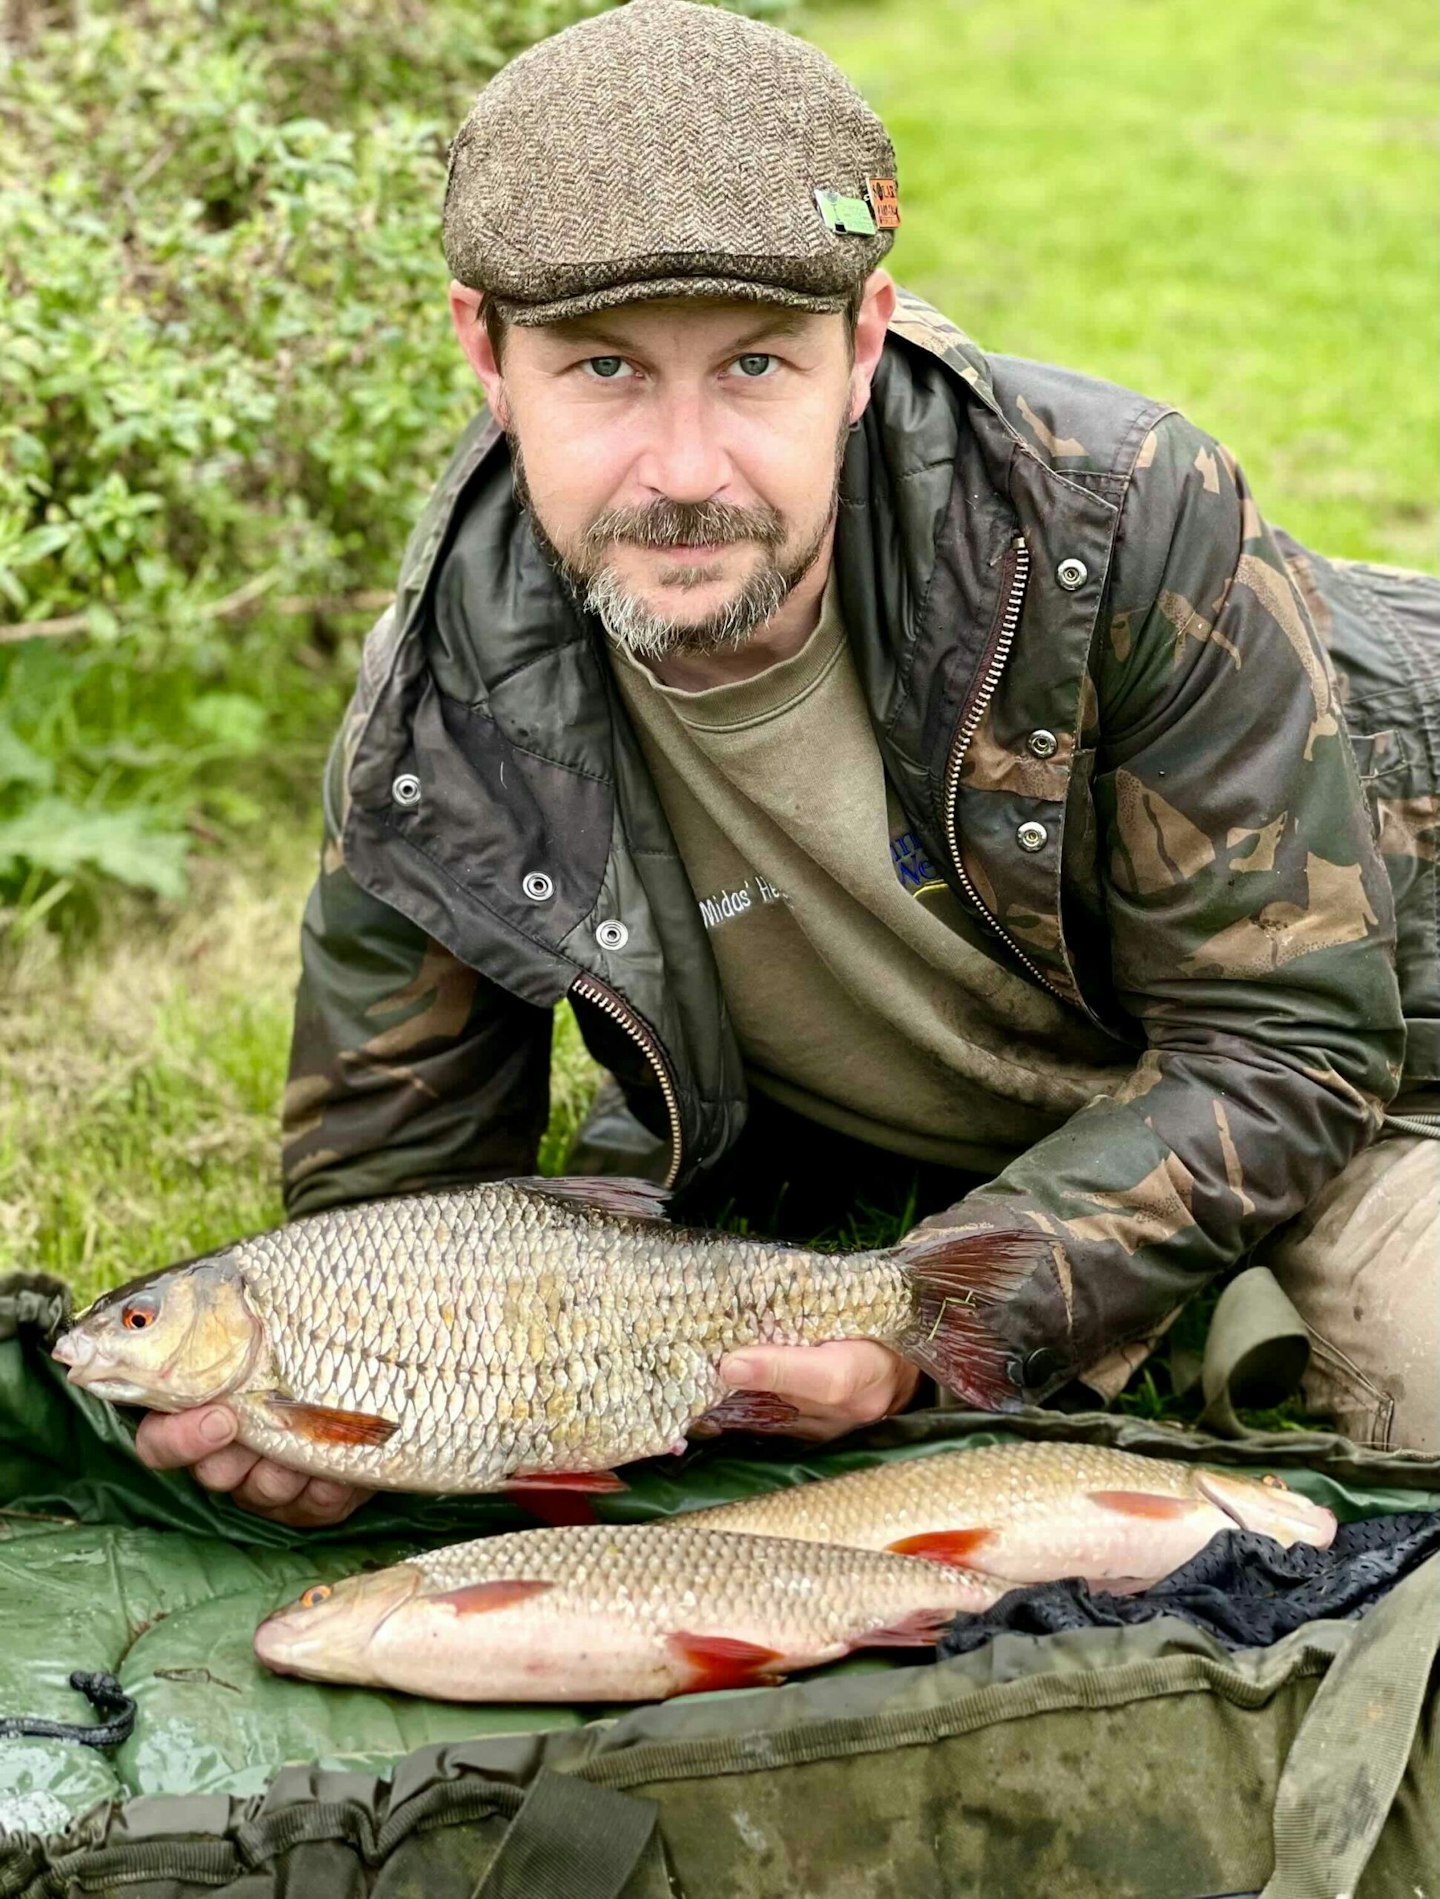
852 974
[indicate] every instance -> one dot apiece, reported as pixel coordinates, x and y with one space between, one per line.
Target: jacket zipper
1017 574
645 1039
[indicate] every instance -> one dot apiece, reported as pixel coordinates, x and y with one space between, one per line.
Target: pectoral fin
481 1597
322 1424
1143 1503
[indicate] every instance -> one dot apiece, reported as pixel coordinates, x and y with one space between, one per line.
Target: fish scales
500 1329
674 1314
1033 1512
457 1340
604 1612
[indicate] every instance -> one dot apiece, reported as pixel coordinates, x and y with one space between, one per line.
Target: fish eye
317 1593
1273 1482
139 1312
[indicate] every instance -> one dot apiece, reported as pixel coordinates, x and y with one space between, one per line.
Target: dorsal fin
622 1198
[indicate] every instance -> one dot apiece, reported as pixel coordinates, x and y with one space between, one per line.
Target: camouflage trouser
1362 1266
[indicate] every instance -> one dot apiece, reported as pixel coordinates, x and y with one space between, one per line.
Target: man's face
680 461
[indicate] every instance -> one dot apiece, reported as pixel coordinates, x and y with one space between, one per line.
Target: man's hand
203 1440
835 1388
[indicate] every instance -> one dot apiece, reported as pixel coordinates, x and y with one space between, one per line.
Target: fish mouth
291 1642
1281 1514
114 1390
87 1368
73 1349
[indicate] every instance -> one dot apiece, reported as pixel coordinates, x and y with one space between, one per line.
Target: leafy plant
226 381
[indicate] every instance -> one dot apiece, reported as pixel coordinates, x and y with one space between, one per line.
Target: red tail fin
958 1281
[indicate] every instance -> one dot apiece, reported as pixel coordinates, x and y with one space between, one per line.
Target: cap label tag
844 213
884 202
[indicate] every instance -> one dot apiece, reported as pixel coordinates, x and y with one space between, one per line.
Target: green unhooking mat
1143 1761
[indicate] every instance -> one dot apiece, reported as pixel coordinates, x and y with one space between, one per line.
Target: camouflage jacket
1098 683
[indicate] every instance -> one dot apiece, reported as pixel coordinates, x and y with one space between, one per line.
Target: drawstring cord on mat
105 1696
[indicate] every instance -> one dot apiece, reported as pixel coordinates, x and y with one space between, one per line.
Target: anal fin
323 1424
746 1411
723 1661
922 1628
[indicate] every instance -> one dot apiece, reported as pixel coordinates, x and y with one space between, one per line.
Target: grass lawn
1228 205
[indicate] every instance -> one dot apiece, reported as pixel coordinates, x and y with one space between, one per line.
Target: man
933 755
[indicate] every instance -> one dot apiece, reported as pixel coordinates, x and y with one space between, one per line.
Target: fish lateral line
324 1424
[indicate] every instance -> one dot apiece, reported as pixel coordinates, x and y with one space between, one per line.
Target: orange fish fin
622 1197
746 1411
922 1628
723 1661
322 1424
561 1499
480 1597
955 1547
957 1280
597 1482
1142 1503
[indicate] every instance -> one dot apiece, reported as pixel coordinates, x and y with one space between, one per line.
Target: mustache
665 523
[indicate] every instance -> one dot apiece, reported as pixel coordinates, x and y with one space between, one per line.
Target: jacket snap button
612 935
1032 836
1072 574
1042 743
406 789
537 886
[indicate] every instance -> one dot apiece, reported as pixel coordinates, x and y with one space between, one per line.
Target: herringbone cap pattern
662 149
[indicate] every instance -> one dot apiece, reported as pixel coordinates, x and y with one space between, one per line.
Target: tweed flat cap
667 149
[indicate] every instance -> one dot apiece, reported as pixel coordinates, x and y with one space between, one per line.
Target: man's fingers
177 1439
270 1486
227 1469
322 1503
823 1377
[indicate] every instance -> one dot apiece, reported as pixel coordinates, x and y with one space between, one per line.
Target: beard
643 630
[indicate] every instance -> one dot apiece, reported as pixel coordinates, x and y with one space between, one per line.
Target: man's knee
1363 1269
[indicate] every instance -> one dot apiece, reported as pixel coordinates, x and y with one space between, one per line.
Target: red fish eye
138 1314
316 1593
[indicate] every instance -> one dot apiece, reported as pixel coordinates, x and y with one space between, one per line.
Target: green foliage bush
226 379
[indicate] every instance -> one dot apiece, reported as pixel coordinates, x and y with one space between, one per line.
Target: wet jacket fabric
1183 769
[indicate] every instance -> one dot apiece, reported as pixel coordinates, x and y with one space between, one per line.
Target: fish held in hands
606 1613
522 1333
1034 1512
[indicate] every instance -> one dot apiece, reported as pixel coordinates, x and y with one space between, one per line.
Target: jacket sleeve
1251 931
408 1068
